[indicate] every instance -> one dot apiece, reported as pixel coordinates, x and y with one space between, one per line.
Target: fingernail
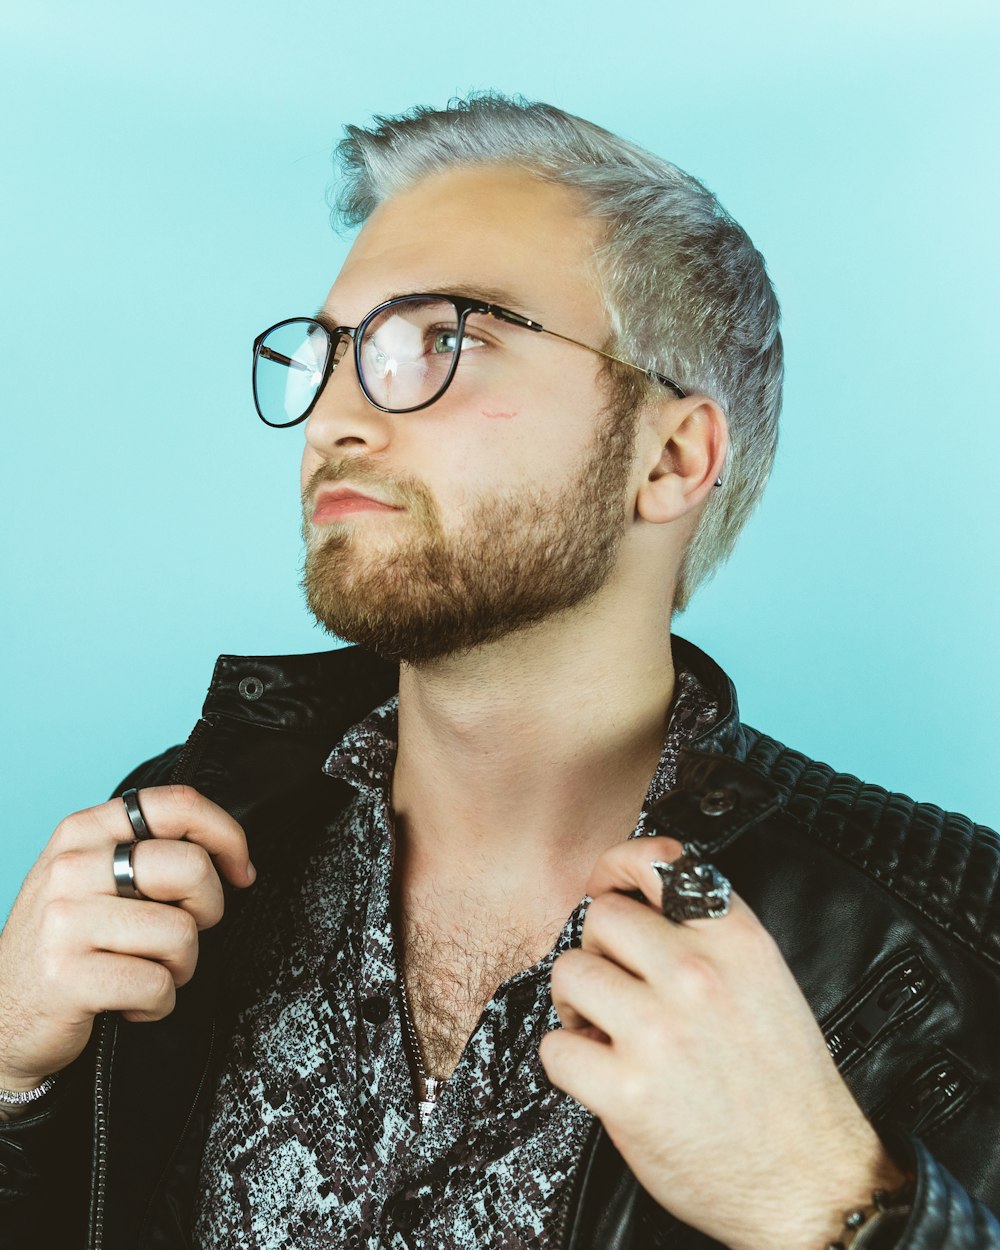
251 873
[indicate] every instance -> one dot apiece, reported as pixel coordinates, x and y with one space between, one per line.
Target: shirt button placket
376 1010
401 1215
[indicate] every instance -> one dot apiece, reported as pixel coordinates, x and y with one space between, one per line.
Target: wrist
878 1225
20 1097
815 1218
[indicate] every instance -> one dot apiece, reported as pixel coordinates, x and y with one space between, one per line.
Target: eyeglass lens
407 354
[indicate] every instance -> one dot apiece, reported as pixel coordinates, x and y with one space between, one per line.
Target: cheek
500 403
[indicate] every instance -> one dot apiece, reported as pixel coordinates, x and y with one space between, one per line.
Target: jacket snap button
718 802
251 687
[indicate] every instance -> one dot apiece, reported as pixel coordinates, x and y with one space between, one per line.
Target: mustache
400 492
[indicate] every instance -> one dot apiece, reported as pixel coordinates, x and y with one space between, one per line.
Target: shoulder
941 862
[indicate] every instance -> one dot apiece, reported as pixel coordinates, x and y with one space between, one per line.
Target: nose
342 417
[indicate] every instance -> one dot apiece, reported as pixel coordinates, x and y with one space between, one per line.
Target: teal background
164 172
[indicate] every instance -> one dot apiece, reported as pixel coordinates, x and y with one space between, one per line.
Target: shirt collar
366 755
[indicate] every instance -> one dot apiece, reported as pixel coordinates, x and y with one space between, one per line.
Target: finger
638 939
141 988
588 990
172 813
583 1067
181 873
626 866
146 930
164 872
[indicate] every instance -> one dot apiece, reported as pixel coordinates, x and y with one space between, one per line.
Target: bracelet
20 1097
885 1213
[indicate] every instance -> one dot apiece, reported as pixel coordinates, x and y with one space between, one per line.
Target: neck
519 763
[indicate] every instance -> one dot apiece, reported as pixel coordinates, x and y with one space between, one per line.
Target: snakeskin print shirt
314 1136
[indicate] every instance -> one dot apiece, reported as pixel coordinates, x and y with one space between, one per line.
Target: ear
685 443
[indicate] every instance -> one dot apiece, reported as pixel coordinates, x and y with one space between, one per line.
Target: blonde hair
686 291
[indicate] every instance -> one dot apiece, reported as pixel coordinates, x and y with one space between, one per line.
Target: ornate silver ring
692 888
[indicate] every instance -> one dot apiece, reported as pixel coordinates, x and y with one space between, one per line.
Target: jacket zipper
188 751
933 1094
904 986
108 1028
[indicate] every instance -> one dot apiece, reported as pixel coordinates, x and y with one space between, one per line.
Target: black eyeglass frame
463 305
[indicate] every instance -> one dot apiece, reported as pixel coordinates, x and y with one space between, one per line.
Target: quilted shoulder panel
940 862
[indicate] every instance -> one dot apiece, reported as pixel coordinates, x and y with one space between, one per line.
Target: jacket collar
327 692
316 698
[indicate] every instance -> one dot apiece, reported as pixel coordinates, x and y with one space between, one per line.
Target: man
545 947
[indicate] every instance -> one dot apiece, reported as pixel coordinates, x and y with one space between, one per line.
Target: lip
342 501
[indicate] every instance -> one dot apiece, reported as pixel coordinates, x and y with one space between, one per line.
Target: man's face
511 493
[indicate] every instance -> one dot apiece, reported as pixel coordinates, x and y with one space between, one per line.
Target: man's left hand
693 1045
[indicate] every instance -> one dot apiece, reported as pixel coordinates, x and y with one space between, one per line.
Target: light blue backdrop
164 173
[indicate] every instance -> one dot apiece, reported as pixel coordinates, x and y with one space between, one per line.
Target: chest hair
452 971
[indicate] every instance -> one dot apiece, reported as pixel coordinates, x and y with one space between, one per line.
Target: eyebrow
489 295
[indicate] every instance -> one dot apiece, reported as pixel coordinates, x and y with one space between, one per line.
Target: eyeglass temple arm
270 354
504 314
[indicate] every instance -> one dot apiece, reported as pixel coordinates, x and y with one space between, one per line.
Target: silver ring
122 867
135 816
692 888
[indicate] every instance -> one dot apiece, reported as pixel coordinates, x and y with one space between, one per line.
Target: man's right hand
72 948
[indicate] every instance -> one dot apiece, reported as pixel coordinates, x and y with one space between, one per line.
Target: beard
517 559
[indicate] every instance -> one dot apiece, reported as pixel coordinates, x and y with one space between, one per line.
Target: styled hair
686 292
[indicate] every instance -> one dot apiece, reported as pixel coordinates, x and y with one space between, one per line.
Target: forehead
494 227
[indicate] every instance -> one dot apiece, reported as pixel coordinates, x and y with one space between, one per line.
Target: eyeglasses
406 352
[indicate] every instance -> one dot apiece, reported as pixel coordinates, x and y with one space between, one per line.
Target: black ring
136 818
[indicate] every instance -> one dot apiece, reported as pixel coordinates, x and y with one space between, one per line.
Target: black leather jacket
886 911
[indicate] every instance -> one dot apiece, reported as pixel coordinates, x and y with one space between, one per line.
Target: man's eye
443 342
